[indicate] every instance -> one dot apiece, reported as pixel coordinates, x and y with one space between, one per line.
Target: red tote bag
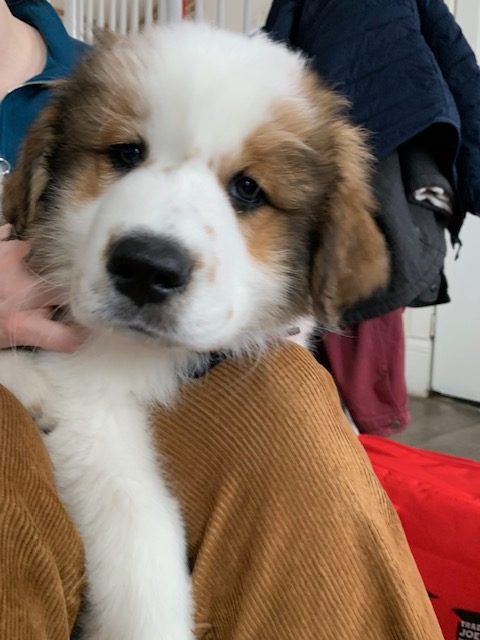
438 500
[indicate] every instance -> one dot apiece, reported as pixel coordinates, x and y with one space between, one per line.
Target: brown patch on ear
351 261
24 187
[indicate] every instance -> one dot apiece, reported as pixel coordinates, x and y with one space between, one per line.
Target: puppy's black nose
148 269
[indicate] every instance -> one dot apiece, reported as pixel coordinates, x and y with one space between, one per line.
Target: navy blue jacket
405 67
21 106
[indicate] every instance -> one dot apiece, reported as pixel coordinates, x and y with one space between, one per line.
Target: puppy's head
199 187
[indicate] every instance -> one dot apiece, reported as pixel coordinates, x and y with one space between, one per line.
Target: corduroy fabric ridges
290 535
41 557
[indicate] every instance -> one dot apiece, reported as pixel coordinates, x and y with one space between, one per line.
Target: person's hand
26 304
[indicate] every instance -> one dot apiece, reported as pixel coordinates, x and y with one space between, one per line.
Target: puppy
191 191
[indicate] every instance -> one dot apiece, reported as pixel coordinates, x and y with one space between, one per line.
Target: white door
456 357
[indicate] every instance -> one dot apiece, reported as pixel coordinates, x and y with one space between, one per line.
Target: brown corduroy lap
289 534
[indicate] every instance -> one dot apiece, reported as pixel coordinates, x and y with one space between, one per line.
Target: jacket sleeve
461 71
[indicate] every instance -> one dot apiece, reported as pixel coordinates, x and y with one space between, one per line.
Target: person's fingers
37 330
20 288
15 250
39 294
24 291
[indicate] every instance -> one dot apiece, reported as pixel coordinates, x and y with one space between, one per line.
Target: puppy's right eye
126 156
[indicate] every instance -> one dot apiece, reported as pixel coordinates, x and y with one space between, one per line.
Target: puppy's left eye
245 193
126 156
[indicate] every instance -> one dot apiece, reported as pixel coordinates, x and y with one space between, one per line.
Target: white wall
419 327
456 357
239 14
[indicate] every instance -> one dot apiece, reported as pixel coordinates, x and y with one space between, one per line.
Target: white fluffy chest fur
94 406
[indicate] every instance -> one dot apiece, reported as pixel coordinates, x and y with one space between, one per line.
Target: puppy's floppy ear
25 186
351 261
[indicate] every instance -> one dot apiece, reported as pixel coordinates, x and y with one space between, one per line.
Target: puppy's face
198 187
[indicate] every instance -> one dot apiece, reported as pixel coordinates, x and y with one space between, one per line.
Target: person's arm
23 52
25 301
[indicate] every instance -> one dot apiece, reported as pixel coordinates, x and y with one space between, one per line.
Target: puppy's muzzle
148 269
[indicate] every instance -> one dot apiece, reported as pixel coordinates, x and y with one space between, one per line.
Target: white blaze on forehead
206 90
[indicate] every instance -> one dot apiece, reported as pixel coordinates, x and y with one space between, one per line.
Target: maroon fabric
368 364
